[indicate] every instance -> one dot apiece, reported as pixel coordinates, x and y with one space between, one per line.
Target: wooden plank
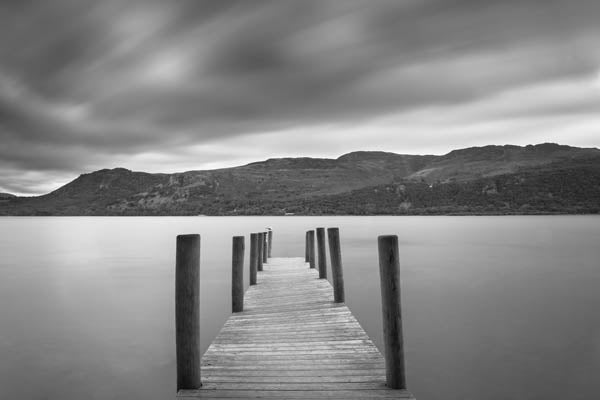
264 373
296 394
292 342
364 366
379 385
285 379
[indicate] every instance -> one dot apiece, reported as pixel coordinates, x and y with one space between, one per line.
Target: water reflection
493 306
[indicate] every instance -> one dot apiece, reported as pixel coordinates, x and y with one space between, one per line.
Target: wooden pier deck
292 342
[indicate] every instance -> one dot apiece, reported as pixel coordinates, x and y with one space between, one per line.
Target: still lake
494 307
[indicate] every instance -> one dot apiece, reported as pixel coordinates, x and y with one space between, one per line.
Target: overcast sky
167 86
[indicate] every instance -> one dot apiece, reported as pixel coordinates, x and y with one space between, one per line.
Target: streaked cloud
189 84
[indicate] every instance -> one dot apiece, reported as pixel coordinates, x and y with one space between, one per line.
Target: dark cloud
86 82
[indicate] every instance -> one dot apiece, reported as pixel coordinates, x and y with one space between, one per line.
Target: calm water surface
494 307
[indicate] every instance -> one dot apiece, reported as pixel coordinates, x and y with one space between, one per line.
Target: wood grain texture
335 253
306 254
187 311
265 252
292 342
261 244
253 258
389 272
237 274
321 245
311 248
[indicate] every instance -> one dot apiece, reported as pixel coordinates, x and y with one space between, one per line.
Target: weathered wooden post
322 253
237 274
335 253
261 241
253 257
389 272
187 311
265 248
311 248
270 238
306 255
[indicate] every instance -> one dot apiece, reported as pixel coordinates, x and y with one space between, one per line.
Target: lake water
494 307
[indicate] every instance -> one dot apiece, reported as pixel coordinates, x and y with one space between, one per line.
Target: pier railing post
253 257
237 274
265 247
322 253
335 252
311 248
270 239
187 311
261 241
389 272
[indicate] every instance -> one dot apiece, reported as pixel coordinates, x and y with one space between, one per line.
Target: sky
171 86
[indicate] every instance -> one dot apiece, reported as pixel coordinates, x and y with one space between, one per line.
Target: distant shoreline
319 215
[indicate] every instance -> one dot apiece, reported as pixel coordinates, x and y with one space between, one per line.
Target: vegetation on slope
545 178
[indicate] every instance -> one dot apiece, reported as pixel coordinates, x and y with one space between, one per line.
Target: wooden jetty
294 339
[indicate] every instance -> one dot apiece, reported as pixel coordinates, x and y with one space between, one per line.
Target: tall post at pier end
270 239
322 253
306 241
389 272
265 247
237 274
187 311
311 248
261 242
335 253
253 257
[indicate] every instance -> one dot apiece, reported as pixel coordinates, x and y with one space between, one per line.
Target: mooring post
270 238
237 274
389 273
322 253
187 311
265 248
253 257
261 241
311 248
335 253
306 255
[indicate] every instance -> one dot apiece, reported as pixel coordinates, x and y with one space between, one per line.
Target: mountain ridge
354 181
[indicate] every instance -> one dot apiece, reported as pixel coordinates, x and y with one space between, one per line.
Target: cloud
86 84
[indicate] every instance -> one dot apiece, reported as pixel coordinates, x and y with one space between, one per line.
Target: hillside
546 178
6 196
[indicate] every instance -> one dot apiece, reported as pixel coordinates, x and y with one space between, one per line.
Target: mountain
545 178
6 196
